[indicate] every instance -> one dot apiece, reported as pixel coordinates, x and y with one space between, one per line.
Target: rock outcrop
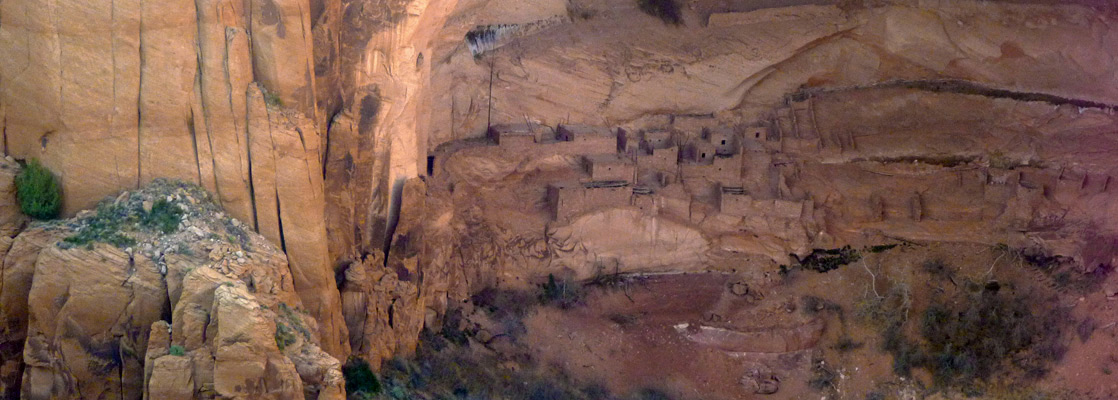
159 294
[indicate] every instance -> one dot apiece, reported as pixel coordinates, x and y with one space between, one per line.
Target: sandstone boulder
102 286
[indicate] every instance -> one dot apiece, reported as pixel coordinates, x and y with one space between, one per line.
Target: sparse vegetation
884 311
296 322
452 329
623 320
945 161
237 234
360 381
847 344
176 350
965 338
668 11
164 217
562 293
822 377
284 336
38 192
272 99
507 307
939 269
143 215
106 225
442 369
968 341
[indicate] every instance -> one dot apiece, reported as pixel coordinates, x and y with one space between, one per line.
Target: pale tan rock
159 344
282 52
375 295
247 364
167 149
301 208
348 187
171 378
320 373
262 154
193 308
372 296
89 316
224 62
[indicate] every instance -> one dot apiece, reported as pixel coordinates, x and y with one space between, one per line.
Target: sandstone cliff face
738 64
197 308
311 120
824 173
111 95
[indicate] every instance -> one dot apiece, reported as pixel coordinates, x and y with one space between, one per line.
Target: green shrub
164 217
968 339
972 341
289 315
177 350
284 336
38 192
104 226
939 269
668 11
360 381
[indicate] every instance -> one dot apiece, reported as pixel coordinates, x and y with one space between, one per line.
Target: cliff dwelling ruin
559 199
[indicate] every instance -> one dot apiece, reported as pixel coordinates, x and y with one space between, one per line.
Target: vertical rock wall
300 116
112 94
